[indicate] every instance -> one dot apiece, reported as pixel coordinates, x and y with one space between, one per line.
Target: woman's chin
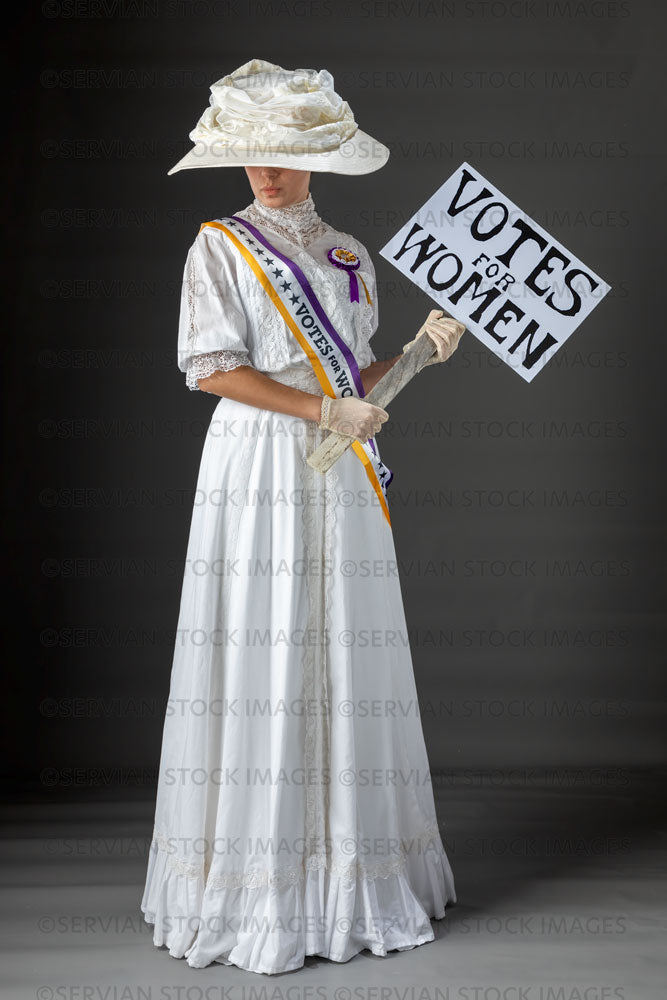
279 200
274 200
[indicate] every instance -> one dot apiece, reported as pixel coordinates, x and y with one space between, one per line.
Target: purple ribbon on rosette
348 261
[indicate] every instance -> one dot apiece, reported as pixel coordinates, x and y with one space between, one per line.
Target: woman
294 811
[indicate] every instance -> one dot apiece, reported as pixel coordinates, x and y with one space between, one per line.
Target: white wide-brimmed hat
263 115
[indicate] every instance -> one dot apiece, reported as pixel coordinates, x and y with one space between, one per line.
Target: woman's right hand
352 416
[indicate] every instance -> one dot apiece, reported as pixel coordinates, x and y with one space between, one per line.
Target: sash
332 360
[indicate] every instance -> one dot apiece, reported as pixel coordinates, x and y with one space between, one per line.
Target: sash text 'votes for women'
497 271
308 322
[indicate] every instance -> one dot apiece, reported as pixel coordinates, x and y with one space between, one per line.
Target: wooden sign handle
398 376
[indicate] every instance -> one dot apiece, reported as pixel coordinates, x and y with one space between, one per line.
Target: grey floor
560 878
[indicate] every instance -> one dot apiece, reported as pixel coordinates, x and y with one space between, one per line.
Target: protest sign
490 266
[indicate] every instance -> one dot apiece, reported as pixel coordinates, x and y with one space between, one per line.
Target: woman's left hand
445 333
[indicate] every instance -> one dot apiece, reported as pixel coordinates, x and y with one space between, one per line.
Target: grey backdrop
528 518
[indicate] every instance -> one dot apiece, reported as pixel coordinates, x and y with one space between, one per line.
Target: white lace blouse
226 319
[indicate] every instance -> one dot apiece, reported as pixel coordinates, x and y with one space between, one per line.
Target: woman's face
278 187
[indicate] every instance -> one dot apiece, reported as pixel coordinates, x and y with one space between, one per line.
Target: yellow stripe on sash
370 472
312 356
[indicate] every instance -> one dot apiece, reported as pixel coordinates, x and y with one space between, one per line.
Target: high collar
298 223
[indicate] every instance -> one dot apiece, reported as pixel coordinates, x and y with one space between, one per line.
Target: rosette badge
347 260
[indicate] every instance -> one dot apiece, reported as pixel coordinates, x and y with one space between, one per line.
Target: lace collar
298 223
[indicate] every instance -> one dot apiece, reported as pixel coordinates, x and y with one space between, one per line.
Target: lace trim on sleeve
203 365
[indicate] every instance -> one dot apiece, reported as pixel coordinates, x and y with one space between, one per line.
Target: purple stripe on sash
312 298
371 444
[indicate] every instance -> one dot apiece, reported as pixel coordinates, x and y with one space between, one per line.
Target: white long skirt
294 814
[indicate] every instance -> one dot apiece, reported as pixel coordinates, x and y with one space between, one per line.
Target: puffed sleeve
212 329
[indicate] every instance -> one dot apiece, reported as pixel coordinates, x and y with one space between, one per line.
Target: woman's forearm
246 385
371 375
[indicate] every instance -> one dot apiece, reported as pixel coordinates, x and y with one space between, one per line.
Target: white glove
445 334
352 417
